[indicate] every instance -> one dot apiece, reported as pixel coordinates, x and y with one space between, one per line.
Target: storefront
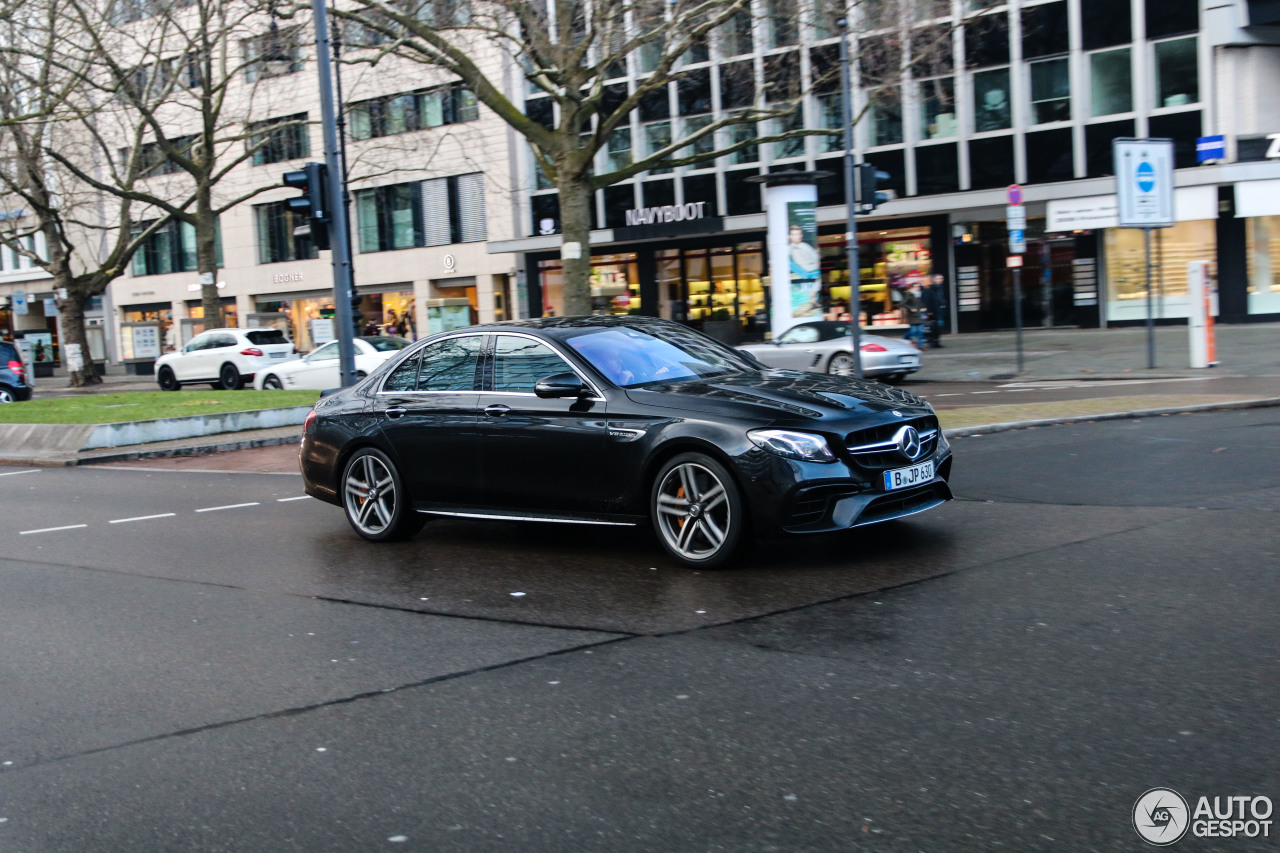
390 312
720 284
1263 253
306 318
1171 249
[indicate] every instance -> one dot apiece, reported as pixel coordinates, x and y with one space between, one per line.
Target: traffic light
868 178
313 205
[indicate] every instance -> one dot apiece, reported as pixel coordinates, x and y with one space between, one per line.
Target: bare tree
567 49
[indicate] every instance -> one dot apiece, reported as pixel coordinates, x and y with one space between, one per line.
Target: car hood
780 395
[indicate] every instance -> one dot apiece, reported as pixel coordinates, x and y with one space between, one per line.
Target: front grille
875 448
811 508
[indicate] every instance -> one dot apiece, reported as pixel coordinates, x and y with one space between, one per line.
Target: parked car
319 370
619 421
825 346
224 358
13 376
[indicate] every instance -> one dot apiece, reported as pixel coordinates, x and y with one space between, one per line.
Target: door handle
497 410
395 412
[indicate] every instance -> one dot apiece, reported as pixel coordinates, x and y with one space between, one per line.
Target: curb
987 429
193 450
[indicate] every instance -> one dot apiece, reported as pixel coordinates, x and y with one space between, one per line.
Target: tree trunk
206 226
576 198
80 368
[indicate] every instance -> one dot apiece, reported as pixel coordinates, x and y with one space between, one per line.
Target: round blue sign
1146 177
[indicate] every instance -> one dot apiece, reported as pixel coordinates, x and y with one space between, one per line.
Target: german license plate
905 478
906 359
277 355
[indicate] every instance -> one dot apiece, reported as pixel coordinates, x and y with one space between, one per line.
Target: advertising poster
146 341
803 259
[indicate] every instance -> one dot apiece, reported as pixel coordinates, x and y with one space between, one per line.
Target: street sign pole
851 205
1016 222
1144 197
1151 321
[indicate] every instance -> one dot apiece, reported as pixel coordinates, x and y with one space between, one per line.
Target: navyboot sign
666 213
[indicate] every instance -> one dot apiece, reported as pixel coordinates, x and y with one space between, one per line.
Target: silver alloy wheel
6 396
693 511
841 364
370 495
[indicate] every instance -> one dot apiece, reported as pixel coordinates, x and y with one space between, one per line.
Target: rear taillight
252 351
16 367
311 418
872 348
295 350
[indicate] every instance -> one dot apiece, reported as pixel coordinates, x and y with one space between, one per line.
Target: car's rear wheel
6 396
272 383
375 499
697 511
841 364
229 378
894 378
168 382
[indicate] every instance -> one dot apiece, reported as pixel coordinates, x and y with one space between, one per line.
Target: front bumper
786 496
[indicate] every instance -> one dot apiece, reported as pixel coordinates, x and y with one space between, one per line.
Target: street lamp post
339 231
851 203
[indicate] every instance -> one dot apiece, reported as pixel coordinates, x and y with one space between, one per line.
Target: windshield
631 357
384 344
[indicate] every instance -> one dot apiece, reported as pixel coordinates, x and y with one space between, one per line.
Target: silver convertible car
825 346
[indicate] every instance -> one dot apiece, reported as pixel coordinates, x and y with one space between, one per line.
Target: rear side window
450 365
518 364
219 341
8 353
404 377
262 337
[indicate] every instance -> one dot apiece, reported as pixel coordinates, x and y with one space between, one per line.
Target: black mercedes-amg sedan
619 421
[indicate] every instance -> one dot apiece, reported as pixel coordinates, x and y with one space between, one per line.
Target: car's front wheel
229 378
168 382
841 364
272 383
375 499
697 510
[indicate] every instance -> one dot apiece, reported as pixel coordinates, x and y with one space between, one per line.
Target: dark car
619 421
13 376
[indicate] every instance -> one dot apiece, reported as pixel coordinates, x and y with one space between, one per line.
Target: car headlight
793 445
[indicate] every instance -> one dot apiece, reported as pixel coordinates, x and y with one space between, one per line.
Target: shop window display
1263 236
890 262
1171 249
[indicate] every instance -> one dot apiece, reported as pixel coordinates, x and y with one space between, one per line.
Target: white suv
224 358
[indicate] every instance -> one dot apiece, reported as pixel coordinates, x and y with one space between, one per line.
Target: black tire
272 383
384 513
7 396
894 378
229 379
841 364
704 532
168 382
360 374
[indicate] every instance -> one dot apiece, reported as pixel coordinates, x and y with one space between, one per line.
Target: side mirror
560 385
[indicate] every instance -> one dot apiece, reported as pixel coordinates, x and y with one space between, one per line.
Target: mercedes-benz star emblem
908 441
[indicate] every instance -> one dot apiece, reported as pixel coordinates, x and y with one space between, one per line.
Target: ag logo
1161 816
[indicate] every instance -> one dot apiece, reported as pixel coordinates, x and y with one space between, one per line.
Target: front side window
450 365
1110 82
328 352
1050 91
518 364
799 335
633 357
404 377
1177 73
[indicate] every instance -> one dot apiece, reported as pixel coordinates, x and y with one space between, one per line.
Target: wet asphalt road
1095 616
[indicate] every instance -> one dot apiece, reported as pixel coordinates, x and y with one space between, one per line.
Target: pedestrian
935 302
913 314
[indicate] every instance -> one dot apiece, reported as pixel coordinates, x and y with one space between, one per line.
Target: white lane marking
142 518
947 395
51 529
15 473
298 498
229 506
984 392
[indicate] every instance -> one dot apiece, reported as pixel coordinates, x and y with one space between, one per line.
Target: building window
793 147
401 113
172 248
437 212
937 108
273 54
152 159
704 145
748 153
782 23
276 240
831 108
1177 73
390 217
1050 91
885 117
279 139
657 136
127 11
991 100
618 150
442 14
735 35
1110 82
